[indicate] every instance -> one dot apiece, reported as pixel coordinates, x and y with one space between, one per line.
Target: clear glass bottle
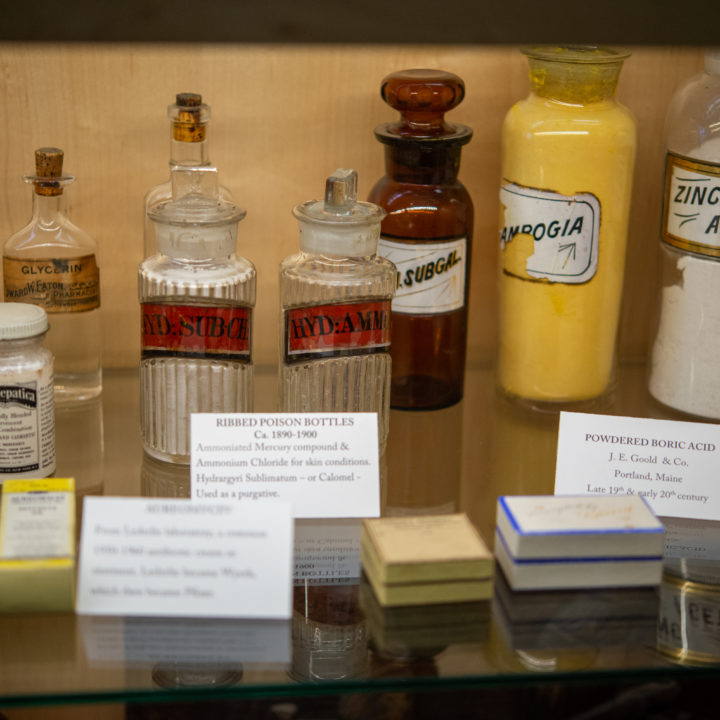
567 169
427 234
196 298
27 419
683 363
52 263
335 300
189 147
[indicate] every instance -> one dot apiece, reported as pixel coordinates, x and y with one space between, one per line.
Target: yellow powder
557 338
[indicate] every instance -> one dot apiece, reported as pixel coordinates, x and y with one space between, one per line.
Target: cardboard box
556 542
37 545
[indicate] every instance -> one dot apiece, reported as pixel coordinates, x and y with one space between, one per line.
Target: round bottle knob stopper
422 97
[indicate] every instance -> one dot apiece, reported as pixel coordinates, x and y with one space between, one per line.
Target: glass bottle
27 420
189 147
568 156
427 234
52 263
683 365
335 300
196 299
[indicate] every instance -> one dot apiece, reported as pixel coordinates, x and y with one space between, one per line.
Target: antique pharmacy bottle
427 234
27 419
568 155
196 299
683 366
52 263
189 147
335 300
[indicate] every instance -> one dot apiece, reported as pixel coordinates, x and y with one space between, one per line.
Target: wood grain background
284 117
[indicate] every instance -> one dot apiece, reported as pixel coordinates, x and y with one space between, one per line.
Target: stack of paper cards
425 560
37 545
554 542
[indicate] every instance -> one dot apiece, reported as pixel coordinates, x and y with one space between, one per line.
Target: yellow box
37 545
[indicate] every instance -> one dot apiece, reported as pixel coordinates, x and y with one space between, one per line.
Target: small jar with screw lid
27 411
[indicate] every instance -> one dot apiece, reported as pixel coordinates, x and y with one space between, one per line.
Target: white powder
685 365
685 361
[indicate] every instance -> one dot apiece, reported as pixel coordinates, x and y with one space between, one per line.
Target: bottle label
27 428
354 328
691 212
548 236
56 284
196 331
430 277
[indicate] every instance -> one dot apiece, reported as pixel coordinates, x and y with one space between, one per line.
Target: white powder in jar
684 366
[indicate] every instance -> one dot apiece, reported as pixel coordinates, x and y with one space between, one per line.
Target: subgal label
56 284
199 331
430 276
691 213
323 330
563 231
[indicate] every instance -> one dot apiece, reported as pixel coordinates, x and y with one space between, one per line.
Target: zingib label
431 276
691 216
56 284
197 331
546 235
325 330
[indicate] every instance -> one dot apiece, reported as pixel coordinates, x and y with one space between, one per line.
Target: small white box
548 542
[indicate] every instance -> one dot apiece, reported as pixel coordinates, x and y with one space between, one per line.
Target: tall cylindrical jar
196 298
683 366
335 299
568 157
27 405
427 234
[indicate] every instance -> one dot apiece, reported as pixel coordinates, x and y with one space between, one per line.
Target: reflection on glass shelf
80 444
185 642
162 479
424 461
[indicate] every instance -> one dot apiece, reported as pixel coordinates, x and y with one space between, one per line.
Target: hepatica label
324 330
546 235
691 217
195 331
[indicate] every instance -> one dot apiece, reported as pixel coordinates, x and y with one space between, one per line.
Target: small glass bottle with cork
52 263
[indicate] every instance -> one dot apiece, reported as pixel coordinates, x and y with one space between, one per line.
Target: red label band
328 329
196 330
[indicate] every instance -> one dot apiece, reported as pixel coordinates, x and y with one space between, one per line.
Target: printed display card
184 559
672 464
321 464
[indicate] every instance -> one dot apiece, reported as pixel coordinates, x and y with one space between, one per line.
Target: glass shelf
339 639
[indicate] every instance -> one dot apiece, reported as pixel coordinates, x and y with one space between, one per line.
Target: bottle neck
419 164
193 154
49 209
575 83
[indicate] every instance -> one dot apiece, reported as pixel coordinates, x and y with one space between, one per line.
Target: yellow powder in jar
557 337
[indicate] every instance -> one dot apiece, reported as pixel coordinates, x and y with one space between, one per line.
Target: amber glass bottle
427 233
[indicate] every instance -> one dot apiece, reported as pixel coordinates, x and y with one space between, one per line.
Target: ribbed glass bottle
197 298
335 297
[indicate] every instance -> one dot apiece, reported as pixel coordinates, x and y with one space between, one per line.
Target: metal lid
21 320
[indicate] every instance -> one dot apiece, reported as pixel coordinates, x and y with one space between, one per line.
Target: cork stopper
48 171
422 97
189 117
